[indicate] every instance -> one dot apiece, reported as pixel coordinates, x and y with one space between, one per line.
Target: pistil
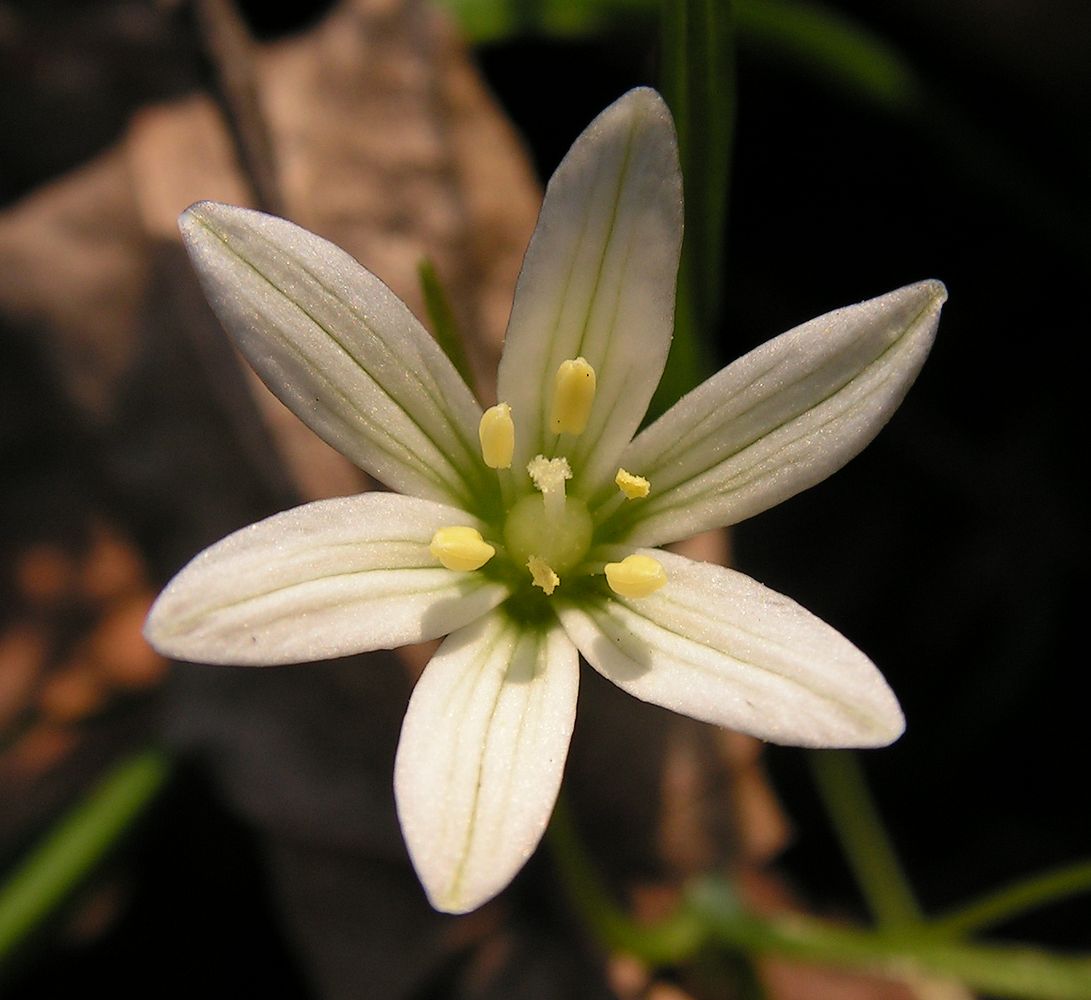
549 475
548 533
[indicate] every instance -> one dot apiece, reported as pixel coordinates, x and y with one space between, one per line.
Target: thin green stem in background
831 47
659 944
698 82
866 845
73 848
1014 900
1014 971
711 915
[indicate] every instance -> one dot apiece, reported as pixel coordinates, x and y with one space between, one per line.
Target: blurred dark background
953 551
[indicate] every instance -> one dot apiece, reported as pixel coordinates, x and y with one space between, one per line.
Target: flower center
559 538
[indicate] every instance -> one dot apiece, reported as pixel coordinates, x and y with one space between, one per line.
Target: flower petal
481 756
598 282
715 645
326 579
341 350
780 419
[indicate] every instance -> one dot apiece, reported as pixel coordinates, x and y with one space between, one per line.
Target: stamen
635 576
543 575
461 548
634 487
497 434
573 394
549 475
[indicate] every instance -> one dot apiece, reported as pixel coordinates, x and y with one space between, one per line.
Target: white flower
527 534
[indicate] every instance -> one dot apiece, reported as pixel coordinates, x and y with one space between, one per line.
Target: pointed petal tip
159 629
932 290
644 97
880 731
152 630
938 290
192 217
873 721
868 720
459 903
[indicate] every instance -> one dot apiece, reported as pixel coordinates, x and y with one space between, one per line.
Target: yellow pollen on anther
497 434
461 548
542 574
635 576
634 487
573 394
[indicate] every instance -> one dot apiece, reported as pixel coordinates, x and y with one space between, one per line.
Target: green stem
711 916
663 943
1013 971
867 847
76 845
1014 900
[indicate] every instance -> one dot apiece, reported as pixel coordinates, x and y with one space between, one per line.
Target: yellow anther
542 574
461 548
634 487
635 576
573 394
497 434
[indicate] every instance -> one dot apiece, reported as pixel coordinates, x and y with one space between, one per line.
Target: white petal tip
937 289
865 718
880 733
192 220
933 294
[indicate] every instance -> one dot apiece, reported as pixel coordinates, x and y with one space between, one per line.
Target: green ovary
561 541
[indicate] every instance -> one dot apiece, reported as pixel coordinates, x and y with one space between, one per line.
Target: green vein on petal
717 646
340 350
780 419
481 755
326 579
598 282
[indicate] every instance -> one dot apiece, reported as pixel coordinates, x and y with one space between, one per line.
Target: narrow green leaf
82 838
825 43
833 48
441 319
698 78
1014 900
484 21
